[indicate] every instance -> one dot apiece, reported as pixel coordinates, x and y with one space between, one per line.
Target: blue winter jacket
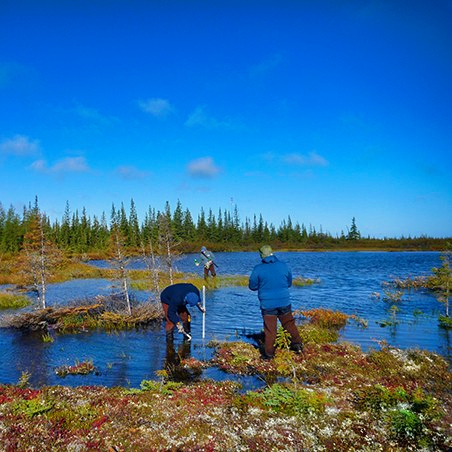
272 279
174 297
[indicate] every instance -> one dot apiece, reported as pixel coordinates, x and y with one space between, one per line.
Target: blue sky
318 110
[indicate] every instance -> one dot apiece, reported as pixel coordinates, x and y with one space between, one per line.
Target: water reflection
348 282
173 360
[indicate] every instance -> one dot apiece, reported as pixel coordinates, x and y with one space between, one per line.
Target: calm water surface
347 281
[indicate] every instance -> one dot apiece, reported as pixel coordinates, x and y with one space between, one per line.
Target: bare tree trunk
43 268
120 262
446 296
41 256
125 285
170 261
152 266
167 244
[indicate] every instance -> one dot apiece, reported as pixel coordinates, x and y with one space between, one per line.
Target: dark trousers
211 269
184 317
271 317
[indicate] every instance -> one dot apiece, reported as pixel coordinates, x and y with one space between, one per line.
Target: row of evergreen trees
79 233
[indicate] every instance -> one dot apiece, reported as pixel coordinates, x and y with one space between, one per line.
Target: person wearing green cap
272 279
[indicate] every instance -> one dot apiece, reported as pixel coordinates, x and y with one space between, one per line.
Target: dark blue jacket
272 279
174 296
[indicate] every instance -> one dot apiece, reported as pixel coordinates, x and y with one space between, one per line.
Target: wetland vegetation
333 396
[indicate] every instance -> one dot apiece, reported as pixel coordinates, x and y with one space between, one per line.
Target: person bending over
175 299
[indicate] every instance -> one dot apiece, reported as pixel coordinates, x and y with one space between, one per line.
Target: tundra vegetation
334 396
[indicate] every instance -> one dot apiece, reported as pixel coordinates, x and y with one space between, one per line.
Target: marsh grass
445 322
47 338
11 272
13 301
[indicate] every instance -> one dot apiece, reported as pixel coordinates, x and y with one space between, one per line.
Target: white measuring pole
204 313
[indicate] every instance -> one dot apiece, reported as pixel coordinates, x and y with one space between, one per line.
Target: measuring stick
204 313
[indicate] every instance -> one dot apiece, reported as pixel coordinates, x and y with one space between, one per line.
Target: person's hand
180 328
203 310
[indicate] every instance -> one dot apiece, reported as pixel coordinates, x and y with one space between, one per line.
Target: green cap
265 250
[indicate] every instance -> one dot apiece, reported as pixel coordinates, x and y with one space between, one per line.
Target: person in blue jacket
175 299
272 279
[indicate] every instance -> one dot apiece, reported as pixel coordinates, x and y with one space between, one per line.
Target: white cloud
203 167
13 73
66 165
131 173
157 107
199 117
93 115
39 165
19 146
267 65
268 156
312 159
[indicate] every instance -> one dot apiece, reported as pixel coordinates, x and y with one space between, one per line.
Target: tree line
78 233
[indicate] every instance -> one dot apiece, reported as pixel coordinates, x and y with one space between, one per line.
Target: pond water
346 281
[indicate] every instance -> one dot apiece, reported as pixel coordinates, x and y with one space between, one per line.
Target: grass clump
79 368
13 301
445 322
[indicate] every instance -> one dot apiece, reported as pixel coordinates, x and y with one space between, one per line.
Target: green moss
165 388
32 407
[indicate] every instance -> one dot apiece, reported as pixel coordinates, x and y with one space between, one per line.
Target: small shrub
405 425
283 339
80 368
327 318
24 380
284 363
378 397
